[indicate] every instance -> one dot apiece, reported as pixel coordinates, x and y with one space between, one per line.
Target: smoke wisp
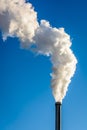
19 19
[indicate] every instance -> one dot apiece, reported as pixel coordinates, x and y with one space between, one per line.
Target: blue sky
26 101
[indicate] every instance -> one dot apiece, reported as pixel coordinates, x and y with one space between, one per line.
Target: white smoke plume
18 19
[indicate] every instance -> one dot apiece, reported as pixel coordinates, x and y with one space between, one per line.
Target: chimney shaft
57 116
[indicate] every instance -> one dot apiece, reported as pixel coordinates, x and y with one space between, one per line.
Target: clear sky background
26 101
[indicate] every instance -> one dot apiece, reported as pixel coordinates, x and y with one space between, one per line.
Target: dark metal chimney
57 116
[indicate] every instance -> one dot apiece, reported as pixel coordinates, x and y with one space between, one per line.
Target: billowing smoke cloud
18 19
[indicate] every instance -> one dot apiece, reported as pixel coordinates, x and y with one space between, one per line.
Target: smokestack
57 116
